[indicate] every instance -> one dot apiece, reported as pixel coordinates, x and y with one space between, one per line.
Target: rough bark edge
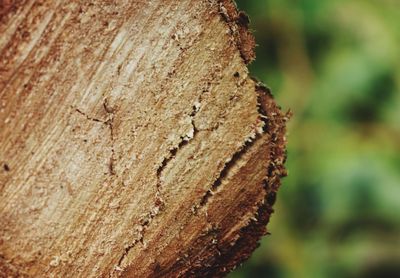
250 235
238 23
275 126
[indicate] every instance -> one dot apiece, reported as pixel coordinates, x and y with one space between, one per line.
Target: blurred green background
336 65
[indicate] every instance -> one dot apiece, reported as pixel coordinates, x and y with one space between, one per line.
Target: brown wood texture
133 142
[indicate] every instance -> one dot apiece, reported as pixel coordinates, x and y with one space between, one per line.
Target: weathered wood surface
132 140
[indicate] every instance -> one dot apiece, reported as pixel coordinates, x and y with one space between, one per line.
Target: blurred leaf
336 65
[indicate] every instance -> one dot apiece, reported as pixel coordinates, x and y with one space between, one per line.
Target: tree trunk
133 141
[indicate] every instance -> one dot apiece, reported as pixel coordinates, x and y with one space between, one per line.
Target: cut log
133 142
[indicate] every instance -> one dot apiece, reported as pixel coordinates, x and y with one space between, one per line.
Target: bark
133 141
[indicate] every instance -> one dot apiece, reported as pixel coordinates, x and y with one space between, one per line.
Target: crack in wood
237 156
109 122
159 203
88 117
145 222
184 141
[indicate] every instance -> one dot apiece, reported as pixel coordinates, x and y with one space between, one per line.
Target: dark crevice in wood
145 222
184 141
6 167
159 203
225 171
237 156
249 236
88 117
228 257
109 122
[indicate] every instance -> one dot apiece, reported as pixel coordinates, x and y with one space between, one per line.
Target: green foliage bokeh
336 65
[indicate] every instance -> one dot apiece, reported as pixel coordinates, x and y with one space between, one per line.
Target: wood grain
132 140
